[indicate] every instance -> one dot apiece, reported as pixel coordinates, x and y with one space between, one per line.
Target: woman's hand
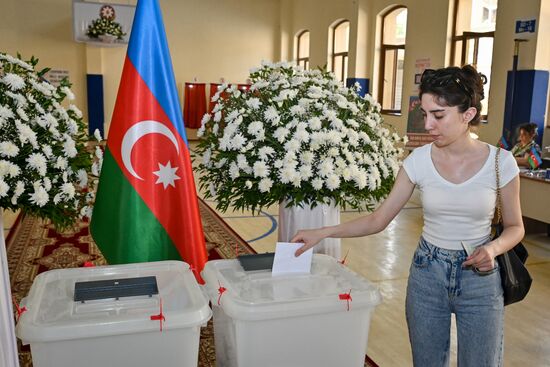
309 237
483 258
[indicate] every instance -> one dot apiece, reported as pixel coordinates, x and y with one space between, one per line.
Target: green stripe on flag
124 228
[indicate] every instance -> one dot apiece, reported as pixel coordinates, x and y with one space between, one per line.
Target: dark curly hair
529 127
454 86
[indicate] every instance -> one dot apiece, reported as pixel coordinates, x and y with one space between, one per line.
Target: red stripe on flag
170 193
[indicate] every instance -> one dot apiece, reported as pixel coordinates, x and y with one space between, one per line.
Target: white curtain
8 346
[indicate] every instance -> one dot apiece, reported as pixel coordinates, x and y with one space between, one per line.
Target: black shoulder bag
515 278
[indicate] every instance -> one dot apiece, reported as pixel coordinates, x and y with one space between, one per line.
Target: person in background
527 133
456 178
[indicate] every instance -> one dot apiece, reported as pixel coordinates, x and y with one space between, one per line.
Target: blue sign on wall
523 26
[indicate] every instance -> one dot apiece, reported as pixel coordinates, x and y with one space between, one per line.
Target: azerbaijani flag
146 206
503 143
534 158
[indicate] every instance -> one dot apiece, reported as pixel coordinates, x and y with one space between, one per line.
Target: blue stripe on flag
148 51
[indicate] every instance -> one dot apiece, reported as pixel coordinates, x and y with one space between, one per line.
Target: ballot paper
468 248
285 262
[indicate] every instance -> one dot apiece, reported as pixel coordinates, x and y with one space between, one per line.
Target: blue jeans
439 286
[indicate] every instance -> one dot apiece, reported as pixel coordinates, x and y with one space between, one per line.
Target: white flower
333 182
306 172
326 167
75 109
238 141
265 184
287 174
82 178
315 123
14 81
4 188
26 134
47 150
281 134
69 147
265 153
39 197
307 157
301 136
95 169
97 135
61 163
37 161
212 189
8 149
22 114
297 110
19 188
317 183
234 170
292 145
68 92
260 169
47 184
254 103
99 153
68 190
271 114
5 113
256 128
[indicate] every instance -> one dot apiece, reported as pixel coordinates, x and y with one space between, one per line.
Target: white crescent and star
166 173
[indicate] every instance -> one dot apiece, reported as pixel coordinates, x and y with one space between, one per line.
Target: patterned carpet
33 246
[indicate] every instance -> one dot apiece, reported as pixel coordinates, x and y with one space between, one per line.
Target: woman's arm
483 257
522 161
372 223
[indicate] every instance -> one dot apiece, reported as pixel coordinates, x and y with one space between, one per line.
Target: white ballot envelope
285 262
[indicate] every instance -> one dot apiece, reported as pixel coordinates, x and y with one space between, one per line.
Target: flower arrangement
44 158
105 24
296 135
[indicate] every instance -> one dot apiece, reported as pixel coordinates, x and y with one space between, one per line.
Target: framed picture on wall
106 24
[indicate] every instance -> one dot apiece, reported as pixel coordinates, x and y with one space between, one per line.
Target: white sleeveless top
458 212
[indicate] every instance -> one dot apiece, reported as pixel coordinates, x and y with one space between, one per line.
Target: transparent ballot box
136 315
307 320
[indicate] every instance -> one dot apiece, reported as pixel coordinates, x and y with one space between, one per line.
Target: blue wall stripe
96 110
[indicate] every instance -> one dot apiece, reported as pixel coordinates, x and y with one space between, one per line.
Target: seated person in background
527 133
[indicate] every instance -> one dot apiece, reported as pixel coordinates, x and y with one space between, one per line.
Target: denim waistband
440 253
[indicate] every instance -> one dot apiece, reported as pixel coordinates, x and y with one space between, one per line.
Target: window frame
464 38
299 59
344 54
384 48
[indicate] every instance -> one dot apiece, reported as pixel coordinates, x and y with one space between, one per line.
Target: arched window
473 36
340 49
302 49
392 57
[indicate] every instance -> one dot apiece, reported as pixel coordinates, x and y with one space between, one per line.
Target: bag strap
499 199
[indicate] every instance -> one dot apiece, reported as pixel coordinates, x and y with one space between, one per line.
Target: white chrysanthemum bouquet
296 135
44 161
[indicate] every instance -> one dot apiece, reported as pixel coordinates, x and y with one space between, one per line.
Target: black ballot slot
257 261
115 288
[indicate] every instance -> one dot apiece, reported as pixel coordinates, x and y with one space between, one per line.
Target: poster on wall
416 133
56 76
106 24
419 66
